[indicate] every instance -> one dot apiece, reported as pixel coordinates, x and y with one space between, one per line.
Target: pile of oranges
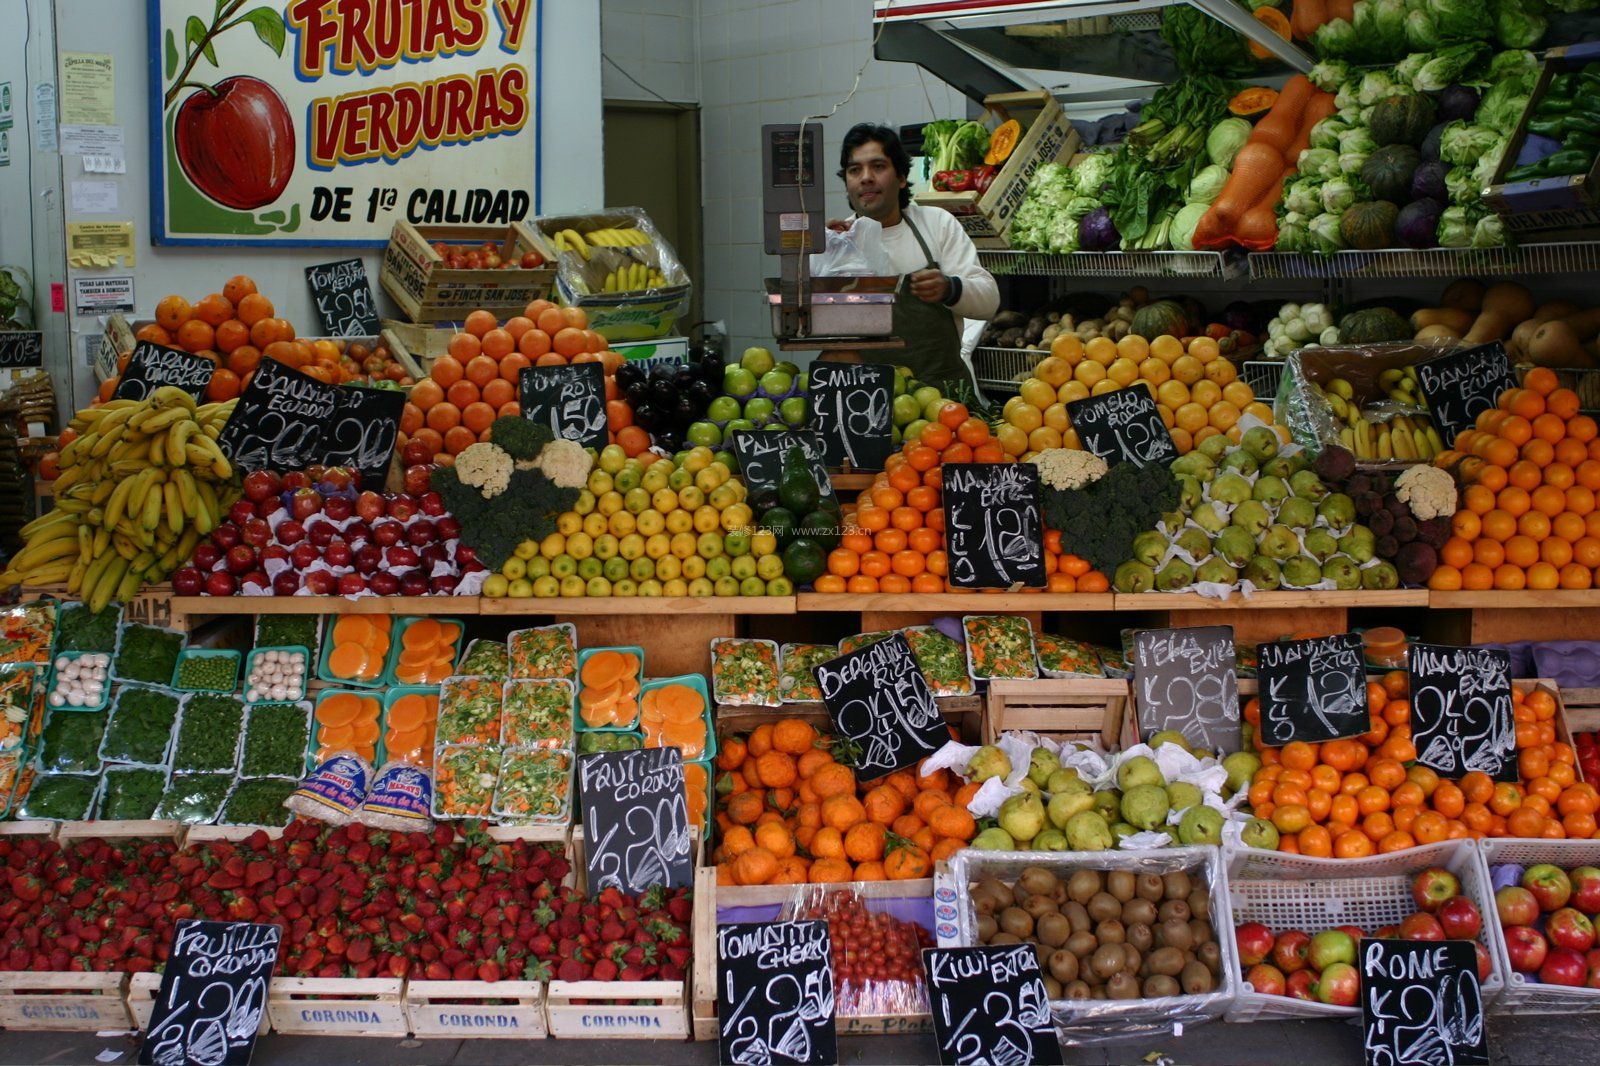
789 813
1366 795
477 380
894 538
1530 471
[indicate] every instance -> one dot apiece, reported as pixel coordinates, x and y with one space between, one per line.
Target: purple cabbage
1427 181
1097 233
1418 223
1430 143
1458 102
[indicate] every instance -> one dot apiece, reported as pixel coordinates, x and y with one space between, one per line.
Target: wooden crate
28 829
125 830
211 834
1086 709
415 346
476 1010
69 1002
143 988
1582 709
338 1006
612 1010
428 291
966 713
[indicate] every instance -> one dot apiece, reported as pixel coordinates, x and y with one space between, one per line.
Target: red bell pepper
953 181
983 177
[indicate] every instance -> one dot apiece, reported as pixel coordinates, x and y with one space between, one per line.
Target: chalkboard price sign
278 421
1461 385
343 296
761 453
1461 716
21 348
363 431
1185 680
1123 426
990 1005
1312 690
571 400
213 994
1420 1004
850 408
993 533
152 366
635 819
880 702
775 999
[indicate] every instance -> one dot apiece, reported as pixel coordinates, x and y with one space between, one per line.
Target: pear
1050 840
1359 544
997 839
1042 763
1241 767
1215 571
1066 779
1182 795
1022 815
1134 576
1235 545
1027 784
1214 447
1196 464
1172 519
1230 488
1260 442
1280 543
1260 833
1120 831
1107 804
1301 572
1149 547
1253 516
1269 490
1194 541
1200 825
1382 576
1169 736
1343 571
1307 486
1139 770
1063 805
988 761
1241 461
1145 806
1279 466
1263 573
1337 509
1175 575
1087 831
1190 492
1208 518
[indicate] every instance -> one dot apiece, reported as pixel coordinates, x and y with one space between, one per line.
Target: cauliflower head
1069 468
565 463
486 468
1429 491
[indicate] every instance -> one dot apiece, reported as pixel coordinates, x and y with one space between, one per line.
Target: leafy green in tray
208 738
131 793
147 654
286 630
61 797
141 726
80 629
275 741
72 742
195 798
259 802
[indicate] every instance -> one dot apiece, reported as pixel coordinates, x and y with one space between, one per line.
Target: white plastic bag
857 252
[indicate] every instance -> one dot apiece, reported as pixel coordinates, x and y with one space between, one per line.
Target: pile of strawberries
352 902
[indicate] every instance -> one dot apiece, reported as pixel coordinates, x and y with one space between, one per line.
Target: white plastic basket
1283 891
1522 995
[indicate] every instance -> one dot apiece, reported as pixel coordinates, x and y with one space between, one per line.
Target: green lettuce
1225 140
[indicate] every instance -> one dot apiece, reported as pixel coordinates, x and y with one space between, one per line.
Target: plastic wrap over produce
617 266
1086 1020
877 946
1347 394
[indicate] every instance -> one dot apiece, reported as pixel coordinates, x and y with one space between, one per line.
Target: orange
224 386
462 393
443 417
1510 578
1490 553
196 335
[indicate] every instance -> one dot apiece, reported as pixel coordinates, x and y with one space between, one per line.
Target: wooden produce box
123 830
338 1006
1047 138
416 346
415 276
613 1010
1067 709
1581 709
212 834
68 1002
966 713
477 1010
1550 208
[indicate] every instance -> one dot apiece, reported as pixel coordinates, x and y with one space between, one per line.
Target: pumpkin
1257 100
1002 142
1376 325
1162 318
1403 119
1367 226
1274 20
1387 172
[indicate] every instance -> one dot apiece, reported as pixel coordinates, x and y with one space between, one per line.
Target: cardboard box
1548 208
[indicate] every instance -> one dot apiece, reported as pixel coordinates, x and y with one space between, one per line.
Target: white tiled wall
762 61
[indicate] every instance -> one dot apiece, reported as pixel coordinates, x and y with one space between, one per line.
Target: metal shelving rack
1191 265
1565 257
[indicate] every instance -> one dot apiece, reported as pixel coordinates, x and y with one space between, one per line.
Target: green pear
1269 490
1263 573
1050 840
1175 575
997 839
988 761
1027 784
1216 571
1235 545
1087 831
1343 571
1139 770
1182 795
1122 830
1320 544
1022 815
1209 518
1260 833
1382 576
1230 488
1196 464
1169 736
1260 442
1279 466
1149 547
1194 541
1241 767
1337 509
1359 543
1134 576
1107 804
1241 461
1307 486
1145 806
1063 805
1066 779
1200 825
1301 572
1190 492
1252 516
1042 763
1214 447
1297 512
1280 543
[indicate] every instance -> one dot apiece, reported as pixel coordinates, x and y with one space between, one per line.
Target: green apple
709 545
625 587
538 567
787 367
793 411
726 586
913 430
704 433
775 383
737 542
726 459
521 588
700 586
738 382
718 568
547 586
628 481
612 457
758 409
752 586
780 586
642 569
930 410
614 569
769 567
757 360
597 586
680 479
736 425
905 410
572 586
590 567
650 587
722 409
743 566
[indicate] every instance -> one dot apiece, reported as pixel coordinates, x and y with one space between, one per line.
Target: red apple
387 532
275 551
1264 979
1355 932
258 578
1563 966
321 534
305 503
241 559
1549 884
1432 887
296 479
241 512
413 583
351 584
368 558
1569 928
531 260
421 532
416 453
1526 947
401 556
1331 946
1302 984
321 582
369 505
1460 918
188 581
472 568
384 583
1255 942
1516 906
290 532
1290 950
304 554
338 508
1484 963
1387 932
1339 985
206 555
219 583
448 527
261 484
338 553
1421 927
402 508
235 142
444 584
418 477
357 532
337 479
432 504
256 533
433 553
286 583
466 554
226 535
269 507
1586 888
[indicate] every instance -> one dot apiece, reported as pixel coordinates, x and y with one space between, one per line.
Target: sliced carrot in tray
352 629
602 669
423 633
348 660
341 708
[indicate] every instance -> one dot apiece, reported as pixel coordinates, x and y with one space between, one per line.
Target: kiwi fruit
1063 966
1134 958
987 927
1005 938
1196 979
1174 910
1082 943
1120 883
1083 884
1200 904
1107 960
1017 922
1110 931
1003 896
1077 914
1075 990
1167 961
1150 887
1160 985
1122 986
1210 956
1178 885
1097 992
1177 934
1200 932
1052 987
1103 906
1053 929
1038 881
1039 906
1042 952
1139 911
1140 937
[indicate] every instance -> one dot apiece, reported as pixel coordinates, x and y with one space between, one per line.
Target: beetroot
1416 563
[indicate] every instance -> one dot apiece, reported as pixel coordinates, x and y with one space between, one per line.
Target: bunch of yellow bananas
140 485
634 277
570 240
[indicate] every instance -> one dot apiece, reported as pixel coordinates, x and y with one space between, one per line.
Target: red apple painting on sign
323 122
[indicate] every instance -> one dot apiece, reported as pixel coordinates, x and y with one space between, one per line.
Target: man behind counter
941 281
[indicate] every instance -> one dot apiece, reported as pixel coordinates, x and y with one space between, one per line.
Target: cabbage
1454 229
1089 175
1325 134
1334 38
1516 63
1490 232
1181 233
1515 27
1462 144
1323 233
1389 25
1207 185
1292 237
1357 140
1303 196
1027 228
1062 235
1350 163
1375 86
1225 140
1338 194
1461 20
1319 162
1460 185
1345 98
1448 66
1422 32
1079 206
1502 106
1405 71
1489 162
1330 74
1051 185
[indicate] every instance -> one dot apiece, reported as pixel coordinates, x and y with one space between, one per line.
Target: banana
74 579
167 418
579 245
125 546
107 586
1434 439
130 581
1401 438
187 494
85 544
119 500
174 506
160 454
1347 438
50 518
1385 443
150 516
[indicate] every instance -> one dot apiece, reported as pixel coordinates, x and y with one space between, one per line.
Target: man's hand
930 286
838 225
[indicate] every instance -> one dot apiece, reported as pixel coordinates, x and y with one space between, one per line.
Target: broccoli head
1099 521
519 437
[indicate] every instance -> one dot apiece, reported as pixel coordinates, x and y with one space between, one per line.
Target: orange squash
1002 142
1256 100
1274 20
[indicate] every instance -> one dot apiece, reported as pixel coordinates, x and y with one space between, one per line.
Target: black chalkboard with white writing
1461 385
850 410
571 400
1461 714
278 421
21 348
1185 680
152 366
636 829
882 707
775 998
1123 426
761 454
993 535
1312 690
213 994
343 296
363 432
1420 1004
990 1005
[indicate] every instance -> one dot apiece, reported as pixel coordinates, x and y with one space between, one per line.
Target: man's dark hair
866 132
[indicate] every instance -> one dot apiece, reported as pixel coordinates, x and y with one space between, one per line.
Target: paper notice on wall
99 244
88 89
5 148
44 117
91 140
104 164
94 197
6 107
102 295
